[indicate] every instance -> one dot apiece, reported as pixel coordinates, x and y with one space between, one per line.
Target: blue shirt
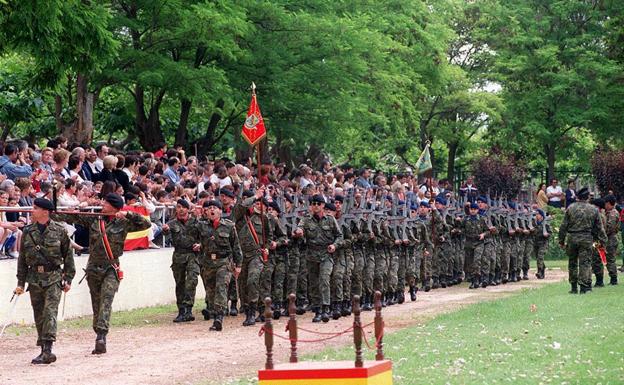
12 171
172 175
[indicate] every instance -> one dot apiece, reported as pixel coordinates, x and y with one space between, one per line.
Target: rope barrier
330 335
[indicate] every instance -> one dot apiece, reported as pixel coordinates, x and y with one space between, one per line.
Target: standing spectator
541 200
570 194
171 172
469 191
554 194
12 163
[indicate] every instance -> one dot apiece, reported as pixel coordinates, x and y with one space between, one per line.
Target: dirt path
189 353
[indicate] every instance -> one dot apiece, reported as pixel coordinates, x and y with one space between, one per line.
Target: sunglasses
316 203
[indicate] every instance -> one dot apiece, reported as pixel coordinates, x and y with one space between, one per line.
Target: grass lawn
540 336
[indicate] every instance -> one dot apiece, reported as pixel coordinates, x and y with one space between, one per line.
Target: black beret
248 193
130 196
114 200
184 203
226 192
44 204
339 198
213 203
275 206
318 198
583 193
330 206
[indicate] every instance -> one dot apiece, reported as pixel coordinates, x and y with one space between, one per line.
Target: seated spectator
10 233
13 164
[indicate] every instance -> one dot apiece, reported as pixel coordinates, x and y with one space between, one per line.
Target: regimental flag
137 239
253 129
424 162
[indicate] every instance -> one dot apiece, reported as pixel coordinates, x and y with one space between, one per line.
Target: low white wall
148 281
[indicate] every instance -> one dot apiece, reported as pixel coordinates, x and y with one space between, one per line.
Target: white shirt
99 164
554 190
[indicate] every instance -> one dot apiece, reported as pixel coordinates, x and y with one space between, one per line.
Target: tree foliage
608 168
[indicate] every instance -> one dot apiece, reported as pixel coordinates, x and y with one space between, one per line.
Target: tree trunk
450 166
147 127
81 130
6 130
549 150
182 132
58 110
207 142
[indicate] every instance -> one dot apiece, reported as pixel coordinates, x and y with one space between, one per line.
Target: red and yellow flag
253 129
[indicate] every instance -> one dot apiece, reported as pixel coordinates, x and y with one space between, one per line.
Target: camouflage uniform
249 279
472 227
220 250
319 233
540 246
184 261
43 250
274 271
442 251
101 277
426 264
611 228
528 248
507 245
582 222
368 241
489 254
358 242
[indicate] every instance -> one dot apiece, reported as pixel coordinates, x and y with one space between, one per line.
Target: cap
184 203
114 200
44 204
212 203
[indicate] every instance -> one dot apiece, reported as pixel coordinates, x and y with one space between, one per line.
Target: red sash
109 251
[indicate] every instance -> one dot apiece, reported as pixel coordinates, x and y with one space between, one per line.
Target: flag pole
259 169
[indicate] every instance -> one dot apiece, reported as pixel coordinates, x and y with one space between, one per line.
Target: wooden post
268 334
357 332
379 328
292 327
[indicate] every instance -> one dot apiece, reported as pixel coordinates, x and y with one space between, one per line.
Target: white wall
148 281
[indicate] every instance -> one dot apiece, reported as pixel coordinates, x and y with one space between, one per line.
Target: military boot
585 289
443 281
412 291
599 281
217 324
367 304
573 289
39 358
504 279
325 313
277 306
336 310
317 315
180 316
207 314
436 283
100 344
384 300
475 283
300 309
512 275
346 308
613 280
250 313
525 275
493 280
260 317
233 309
391 298
46 356
427 285
400 294
459 278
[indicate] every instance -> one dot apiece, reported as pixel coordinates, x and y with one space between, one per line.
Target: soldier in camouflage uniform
184 260
597 267
582 222
442 240
228 200
101 275
322 235
359 256
528 245
426 264
475 229
541 234
220 256
488 261
274 272
46 263
347 249
252 224
294 255
421 248
611 228
368 241
338 269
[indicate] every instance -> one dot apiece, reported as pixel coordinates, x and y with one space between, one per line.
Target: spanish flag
138 239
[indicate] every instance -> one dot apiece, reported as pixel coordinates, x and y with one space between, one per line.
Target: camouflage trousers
347 280
292 270
273 277
216 277
232 293
402 272
103 285
457 248
539 251
337 275
426 268
413 258
442 260
185 273
319 274
45 302
526 255
505 256
249 278
488 259
579 261
474 257
381 269
302 279
394 255
368 278
357 285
